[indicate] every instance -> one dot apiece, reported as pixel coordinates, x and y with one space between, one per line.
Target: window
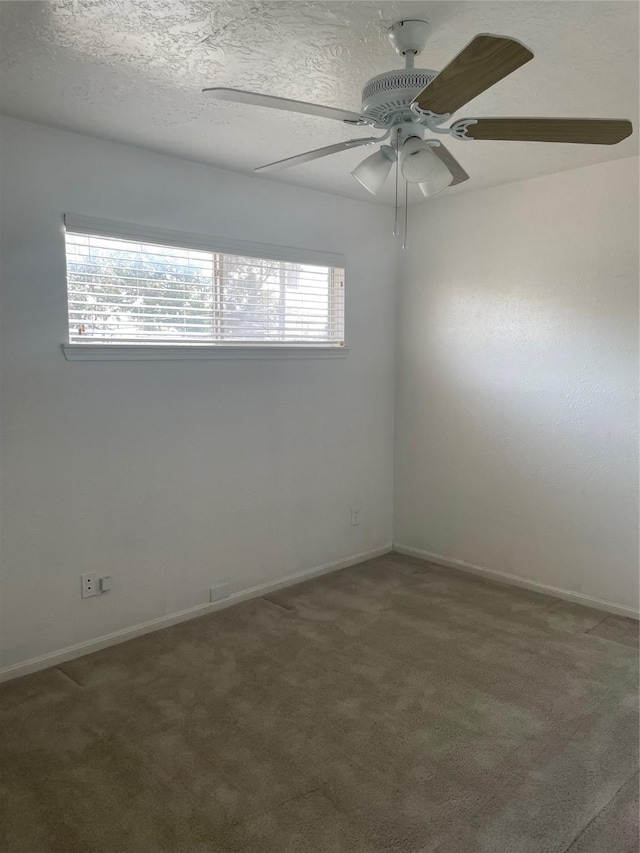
126 289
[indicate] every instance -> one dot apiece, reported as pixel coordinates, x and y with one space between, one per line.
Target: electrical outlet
222 590
89 585
355 516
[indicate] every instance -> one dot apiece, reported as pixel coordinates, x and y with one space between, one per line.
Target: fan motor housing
388 97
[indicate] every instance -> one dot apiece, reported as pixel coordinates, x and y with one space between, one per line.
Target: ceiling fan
411 104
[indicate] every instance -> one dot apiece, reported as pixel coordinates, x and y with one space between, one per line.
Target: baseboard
514 580
85 648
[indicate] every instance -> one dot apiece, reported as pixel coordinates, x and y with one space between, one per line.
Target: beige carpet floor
393 707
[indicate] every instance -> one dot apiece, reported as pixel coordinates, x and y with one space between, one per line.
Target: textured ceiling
132 71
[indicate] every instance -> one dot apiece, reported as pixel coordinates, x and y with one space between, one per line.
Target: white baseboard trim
514 580
79 649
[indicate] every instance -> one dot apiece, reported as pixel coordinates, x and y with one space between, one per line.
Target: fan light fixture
374 170
417 161
439 179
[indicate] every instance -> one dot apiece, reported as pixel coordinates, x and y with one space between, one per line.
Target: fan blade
596 131
481 64
315 154
239 96
459 174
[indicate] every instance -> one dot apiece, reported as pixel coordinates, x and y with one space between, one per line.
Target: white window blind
127 291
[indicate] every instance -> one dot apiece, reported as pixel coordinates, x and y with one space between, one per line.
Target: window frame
88 351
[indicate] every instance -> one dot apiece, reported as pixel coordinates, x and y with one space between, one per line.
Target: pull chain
406 215
395 225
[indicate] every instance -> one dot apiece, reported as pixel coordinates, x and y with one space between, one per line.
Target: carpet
391 707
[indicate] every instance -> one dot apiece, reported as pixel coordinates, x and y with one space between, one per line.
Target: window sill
195 352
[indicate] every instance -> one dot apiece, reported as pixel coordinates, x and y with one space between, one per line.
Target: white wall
516 410
517 379
174 475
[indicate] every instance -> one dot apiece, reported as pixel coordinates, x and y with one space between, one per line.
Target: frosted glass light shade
418 161
438 180
374 170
